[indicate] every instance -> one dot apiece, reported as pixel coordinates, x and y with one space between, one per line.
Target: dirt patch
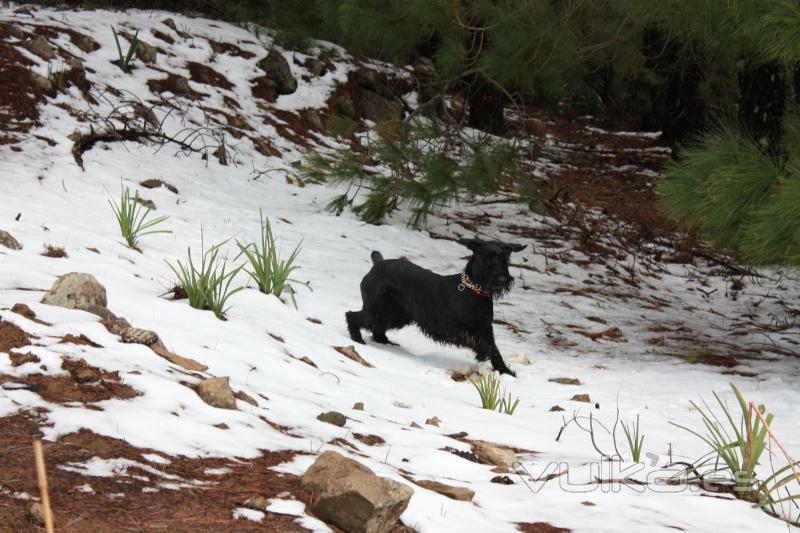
541 527
230 49
176 85
369 440
11 337
264 89
20 92
85 384
139 495
204 74
81 339
163 36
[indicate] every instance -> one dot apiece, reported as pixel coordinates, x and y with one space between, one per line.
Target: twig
42 475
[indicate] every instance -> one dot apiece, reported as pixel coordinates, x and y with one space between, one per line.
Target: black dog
455 309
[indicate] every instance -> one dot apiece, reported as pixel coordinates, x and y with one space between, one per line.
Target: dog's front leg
487 349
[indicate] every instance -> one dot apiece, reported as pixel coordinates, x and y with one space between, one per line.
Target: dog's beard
497 290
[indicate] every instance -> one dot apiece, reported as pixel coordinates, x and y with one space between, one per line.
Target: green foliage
207 285
131 216
635 440
124 60
417 165
738 444
488 387
267 268
293 39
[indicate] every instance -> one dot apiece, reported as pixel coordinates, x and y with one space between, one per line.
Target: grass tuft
488 387
132 218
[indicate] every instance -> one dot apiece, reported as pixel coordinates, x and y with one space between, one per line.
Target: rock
415 425
217 392
76 290
358 406
454 493
279 71
313 118
315 66
243 396
169 23
501 480
494 454
433 421
36 513
378 108
105 314
146 52
333 417
39 46
556 408
44 84
369 440
344 105
8 241
86 375
565 381
350 496
307 360
351 353
24 310
258 503
581 398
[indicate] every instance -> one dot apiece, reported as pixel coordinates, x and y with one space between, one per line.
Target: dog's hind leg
354 325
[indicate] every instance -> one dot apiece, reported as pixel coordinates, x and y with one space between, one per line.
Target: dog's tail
376 257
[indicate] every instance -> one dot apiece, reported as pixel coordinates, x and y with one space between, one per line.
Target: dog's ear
516 247
472 244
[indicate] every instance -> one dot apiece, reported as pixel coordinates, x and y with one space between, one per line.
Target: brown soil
230 49
541 527
204 74
11 337
85 384
163 36
21 93
264 89
200 508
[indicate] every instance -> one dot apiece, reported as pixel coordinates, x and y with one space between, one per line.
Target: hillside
644 319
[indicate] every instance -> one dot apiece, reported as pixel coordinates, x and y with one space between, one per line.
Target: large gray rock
76 290
279 71
217 393
7 240
378 108
350 496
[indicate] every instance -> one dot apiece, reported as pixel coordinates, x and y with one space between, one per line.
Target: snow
63 205
243 513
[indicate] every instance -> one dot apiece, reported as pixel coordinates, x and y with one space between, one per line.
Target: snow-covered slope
45 198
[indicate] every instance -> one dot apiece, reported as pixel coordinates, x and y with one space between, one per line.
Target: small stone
415 425
36 513
259 503
24 310
86 375
39 46
243 396
495 454
76 291
315 66
351 353
333 417
581 398
8 241
433 421
217 392
358 406
314 119
307 360
146 52
454 493
587 503
565 381
139 336
502 480
556 408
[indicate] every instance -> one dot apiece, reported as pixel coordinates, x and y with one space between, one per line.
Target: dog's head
488 266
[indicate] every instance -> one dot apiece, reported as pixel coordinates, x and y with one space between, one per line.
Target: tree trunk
762 100
486 105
